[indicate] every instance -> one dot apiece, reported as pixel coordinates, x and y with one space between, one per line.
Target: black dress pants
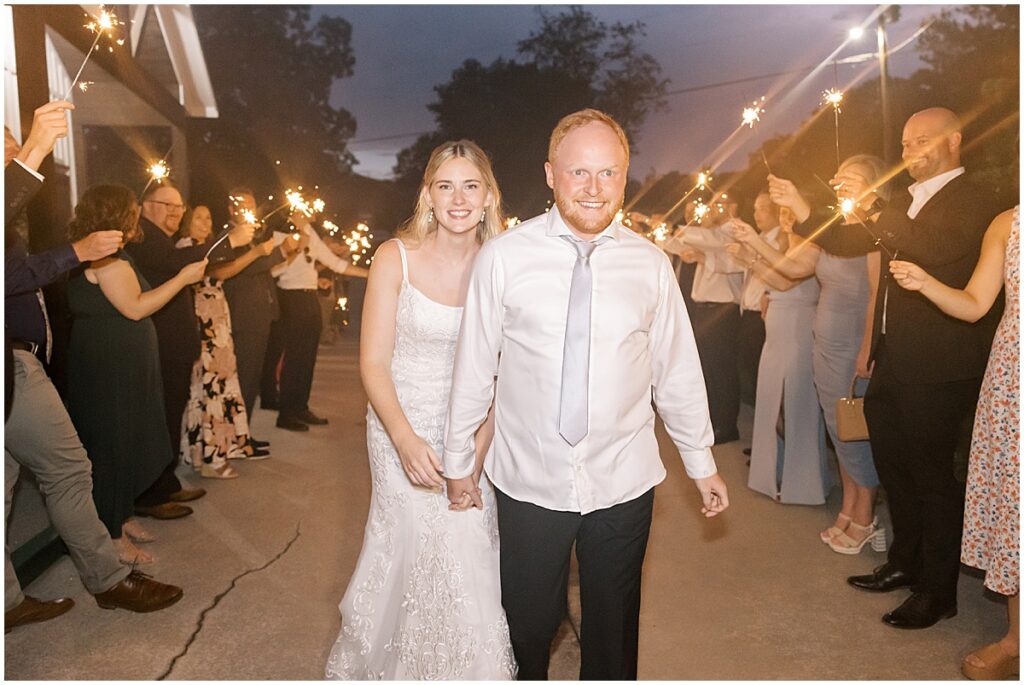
250 352
751 342
914 433
176 369
269 390
300 323
536 544
716 327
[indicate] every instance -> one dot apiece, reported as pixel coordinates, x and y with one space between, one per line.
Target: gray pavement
265 559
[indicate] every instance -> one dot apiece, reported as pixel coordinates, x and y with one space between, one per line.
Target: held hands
98 245
714 495
49 123
909 275
419 462
464 493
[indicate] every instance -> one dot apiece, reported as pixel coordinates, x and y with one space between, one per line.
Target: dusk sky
403 51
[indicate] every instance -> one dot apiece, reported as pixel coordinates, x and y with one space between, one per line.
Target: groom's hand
713 493
461 487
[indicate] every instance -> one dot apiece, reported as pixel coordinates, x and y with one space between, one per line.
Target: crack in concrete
217 599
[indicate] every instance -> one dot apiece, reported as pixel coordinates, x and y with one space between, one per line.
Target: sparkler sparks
700 211
84 85
332 228
104 22
318 205
847 205
834 97
752 114
249 216
358 242
298 203
703 179
512 221
158 171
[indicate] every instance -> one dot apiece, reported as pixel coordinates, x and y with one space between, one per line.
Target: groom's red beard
590 222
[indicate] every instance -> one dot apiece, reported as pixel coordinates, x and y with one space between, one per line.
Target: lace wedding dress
424 602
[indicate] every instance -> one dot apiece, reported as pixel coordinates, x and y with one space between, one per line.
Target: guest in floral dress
215 426
991 538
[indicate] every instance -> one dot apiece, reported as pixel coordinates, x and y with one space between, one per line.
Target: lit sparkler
834 97
249 216
332 228
847 205
318 205
358 242
752 114
703 179
700 211
512 221
84 85
158 171
106 21
343 304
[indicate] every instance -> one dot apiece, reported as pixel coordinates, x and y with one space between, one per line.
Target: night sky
403 51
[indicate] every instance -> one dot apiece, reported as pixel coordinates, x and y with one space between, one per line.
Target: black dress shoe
290 423
920 610
309 417
259 444
32 610
166 511
885 578
269 405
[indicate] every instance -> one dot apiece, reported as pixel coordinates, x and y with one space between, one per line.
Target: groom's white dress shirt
642 346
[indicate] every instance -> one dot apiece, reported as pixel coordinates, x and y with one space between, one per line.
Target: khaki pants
40 437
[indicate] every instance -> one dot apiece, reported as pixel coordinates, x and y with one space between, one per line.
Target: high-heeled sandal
844 544
224 472
136 533
829 533
997 664
130 555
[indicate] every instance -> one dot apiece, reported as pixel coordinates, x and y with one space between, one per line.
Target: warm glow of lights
298 203
358 242
703 179
249 216
700 211
512 221
847 205
660 233
318 205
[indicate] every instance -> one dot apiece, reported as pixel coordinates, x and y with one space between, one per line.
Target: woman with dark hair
215 427
115 392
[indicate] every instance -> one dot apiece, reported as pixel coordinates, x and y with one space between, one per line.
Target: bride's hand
419 462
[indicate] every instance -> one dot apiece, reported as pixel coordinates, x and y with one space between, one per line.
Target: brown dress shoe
167 510
138 592
32 610
186 495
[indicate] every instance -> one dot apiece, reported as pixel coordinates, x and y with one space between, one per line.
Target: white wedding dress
424 602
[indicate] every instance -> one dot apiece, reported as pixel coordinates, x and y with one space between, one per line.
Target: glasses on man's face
171 206
305 253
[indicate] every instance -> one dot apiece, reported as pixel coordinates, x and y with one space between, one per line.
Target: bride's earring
483 215
430 217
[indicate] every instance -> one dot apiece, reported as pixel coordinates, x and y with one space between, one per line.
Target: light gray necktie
573 409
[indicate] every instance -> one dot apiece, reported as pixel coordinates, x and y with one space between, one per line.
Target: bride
424 602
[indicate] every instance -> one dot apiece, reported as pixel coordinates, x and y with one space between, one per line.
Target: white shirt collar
924 190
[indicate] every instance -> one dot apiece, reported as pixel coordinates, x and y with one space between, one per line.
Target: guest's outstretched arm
121 287
974 301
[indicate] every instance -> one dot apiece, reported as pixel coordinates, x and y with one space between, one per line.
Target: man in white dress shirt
574 457
301 322
752 333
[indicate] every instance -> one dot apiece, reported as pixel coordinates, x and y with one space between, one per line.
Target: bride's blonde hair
422 222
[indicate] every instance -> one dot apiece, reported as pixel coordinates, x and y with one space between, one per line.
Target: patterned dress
992 512
424 601
215 426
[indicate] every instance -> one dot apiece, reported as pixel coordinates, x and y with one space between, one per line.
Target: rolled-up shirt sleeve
476 363
678 382
323 254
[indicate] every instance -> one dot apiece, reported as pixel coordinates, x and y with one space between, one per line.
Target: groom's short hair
570 122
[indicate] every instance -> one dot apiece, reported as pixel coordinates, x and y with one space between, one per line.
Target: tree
509 107
272 70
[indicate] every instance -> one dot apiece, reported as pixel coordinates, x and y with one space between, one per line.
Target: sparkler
249 216
700 211
106 21
847 207
158 171
514 220
751 116
332 228
834 97
84 85
358 242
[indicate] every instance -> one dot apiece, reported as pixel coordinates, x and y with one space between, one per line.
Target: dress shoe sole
920 626
892 588
143 610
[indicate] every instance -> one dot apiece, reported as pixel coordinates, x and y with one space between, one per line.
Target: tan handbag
850 423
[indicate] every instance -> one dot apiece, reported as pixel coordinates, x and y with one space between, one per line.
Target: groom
590 325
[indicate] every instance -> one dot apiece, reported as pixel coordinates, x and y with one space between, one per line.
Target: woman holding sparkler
991 538
215 427
791 466
424 601
846 263
115 389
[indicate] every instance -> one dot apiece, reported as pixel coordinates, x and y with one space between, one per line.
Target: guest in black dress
115 391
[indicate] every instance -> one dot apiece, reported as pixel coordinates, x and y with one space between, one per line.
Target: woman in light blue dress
789 465
846 262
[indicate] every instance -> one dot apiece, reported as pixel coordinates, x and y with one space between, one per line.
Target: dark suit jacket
177 327
252 296
924 344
